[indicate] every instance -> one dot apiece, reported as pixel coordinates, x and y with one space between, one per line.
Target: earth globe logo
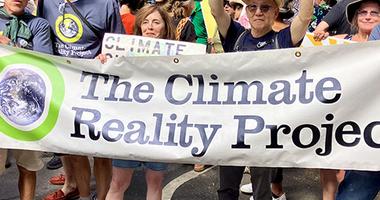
31 94
22 96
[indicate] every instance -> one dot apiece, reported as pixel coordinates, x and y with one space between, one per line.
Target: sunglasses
263 8
364 13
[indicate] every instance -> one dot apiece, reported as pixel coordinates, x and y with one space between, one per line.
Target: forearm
222 19
301 21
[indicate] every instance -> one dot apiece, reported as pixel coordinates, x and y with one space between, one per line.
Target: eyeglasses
263 8
364 13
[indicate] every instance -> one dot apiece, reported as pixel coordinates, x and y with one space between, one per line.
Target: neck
361 36
256 33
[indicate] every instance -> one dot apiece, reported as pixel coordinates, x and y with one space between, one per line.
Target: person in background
321 8
21 29
363 16
128 9
151 21
181 11
238 6
361 184
229 9
79 34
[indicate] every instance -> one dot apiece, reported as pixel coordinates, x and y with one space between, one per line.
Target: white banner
116 45
309 107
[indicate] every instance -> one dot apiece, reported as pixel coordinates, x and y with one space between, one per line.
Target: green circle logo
31 94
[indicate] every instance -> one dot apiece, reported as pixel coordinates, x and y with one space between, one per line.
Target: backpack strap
84 20
239 42
180 27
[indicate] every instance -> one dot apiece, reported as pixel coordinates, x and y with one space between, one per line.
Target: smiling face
153 26
15 7
262 14
368 16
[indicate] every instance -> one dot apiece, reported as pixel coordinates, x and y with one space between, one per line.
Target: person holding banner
78 29
151 21
261 15
363 16
21 29
361 184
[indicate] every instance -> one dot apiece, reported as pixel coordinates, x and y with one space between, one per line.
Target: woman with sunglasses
363 16
261 15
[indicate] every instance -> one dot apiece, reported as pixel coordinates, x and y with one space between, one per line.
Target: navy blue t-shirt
249 43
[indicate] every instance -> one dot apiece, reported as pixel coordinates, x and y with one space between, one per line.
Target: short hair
149 9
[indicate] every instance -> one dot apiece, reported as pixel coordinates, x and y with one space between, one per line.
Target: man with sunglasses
261 15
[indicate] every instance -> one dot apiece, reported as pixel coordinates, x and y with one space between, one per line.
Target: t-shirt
375 34
199 24
336 18
249 43
40 29
129 22
72 37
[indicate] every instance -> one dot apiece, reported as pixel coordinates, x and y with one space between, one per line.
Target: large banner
303 107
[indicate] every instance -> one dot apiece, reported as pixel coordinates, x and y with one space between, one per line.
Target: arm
301 22
222 19
41 37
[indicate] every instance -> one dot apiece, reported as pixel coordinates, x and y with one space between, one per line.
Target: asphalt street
181 183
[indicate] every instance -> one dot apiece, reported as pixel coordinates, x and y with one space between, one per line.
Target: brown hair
354 21
149 9
181 9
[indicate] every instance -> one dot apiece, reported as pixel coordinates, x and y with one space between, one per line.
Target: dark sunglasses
263 8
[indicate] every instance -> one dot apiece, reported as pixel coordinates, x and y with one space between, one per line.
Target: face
229 10
153 25
368 16
262 14
237 11
15 7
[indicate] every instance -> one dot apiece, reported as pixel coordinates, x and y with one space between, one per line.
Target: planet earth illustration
22 96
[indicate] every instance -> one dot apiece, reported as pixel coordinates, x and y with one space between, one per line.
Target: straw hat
279 3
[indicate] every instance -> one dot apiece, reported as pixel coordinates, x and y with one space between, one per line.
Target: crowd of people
75 28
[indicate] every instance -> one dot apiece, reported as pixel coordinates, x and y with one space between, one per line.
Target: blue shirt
249 43
72 37
375 34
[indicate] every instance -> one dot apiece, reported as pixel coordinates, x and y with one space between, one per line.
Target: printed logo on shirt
69 28
31 94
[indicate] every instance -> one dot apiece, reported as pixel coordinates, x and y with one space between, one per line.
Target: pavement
181 183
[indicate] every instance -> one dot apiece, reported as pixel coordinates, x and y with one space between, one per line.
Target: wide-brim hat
353 6
279 3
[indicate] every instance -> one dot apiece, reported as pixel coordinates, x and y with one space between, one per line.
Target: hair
149 9
354 21
180 9
134 5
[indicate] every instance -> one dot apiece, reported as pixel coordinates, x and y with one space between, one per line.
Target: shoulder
36 22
